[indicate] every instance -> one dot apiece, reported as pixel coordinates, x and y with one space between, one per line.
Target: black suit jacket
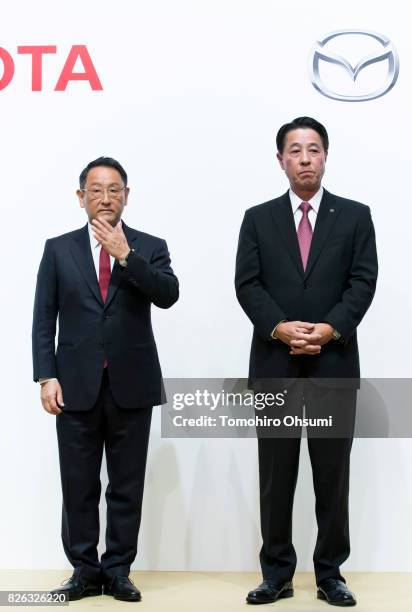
89 330
337 286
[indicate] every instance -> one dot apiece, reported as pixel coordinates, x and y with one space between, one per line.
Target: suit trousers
278 472
82 436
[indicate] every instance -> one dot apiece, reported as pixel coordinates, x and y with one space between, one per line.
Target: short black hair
109 162
302 122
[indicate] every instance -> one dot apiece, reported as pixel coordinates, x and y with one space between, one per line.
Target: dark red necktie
104 272
104 278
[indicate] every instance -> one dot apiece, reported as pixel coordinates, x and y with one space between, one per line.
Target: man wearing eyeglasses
104 378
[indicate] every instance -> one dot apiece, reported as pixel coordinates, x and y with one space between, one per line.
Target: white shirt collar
296 201
93 242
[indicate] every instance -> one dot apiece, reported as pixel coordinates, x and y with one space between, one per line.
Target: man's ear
126 195
80 195
280 159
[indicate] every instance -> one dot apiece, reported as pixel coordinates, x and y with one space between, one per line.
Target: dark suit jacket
90 331
337 286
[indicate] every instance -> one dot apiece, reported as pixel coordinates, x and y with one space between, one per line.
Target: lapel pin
331 210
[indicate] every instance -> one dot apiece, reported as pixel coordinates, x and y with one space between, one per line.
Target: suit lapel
82 254
283 217
117 272
329 210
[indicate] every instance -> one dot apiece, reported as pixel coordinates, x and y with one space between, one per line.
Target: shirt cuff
44 380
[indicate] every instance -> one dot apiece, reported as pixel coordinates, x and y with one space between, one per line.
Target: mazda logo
386 53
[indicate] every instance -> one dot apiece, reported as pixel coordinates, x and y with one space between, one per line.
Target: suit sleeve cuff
272 335
337 336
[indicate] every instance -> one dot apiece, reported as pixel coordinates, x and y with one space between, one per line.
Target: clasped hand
304 338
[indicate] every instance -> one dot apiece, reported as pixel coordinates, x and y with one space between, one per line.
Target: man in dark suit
306 273
105 377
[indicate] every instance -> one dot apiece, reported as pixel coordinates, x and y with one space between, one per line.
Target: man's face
104 195
303 160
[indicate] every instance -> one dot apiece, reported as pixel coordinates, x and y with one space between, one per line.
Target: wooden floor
223 592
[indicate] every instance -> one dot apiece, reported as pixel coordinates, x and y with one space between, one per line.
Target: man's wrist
273 334
123 260
335 333
125 253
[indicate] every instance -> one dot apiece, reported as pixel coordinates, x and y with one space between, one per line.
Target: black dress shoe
268 592
121 587
77 587
335 592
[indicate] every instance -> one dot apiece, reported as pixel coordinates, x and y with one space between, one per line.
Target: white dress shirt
95 248
296 201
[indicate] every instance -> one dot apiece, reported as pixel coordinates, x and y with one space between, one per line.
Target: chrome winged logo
386 53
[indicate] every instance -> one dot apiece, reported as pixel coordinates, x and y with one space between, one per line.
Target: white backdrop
193 94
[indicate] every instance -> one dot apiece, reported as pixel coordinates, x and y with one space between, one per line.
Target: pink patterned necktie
305 233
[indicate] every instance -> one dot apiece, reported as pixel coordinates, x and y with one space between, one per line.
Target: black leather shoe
121 587
335 592
268 592
77 587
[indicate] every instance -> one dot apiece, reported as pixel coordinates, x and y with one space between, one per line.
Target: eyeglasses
97 193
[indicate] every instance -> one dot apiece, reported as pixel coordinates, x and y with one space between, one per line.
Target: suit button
306 285
101 344
107 316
